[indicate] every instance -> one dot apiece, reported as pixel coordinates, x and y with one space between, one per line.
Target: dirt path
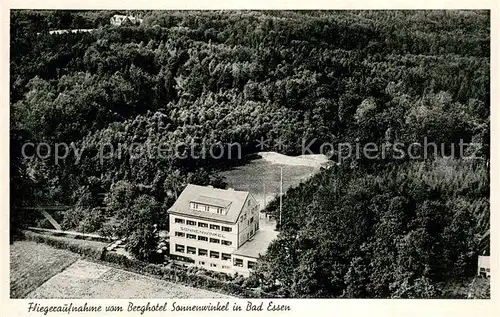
311 160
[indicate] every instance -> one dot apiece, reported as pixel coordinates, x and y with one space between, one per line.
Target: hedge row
88 250
180 276
155 270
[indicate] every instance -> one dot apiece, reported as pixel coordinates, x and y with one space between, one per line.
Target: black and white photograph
249 154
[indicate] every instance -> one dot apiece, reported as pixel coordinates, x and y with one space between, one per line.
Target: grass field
31 264
265 172
84 279
41 271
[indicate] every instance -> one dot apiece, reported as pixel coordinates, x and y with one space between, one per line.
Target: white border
311 307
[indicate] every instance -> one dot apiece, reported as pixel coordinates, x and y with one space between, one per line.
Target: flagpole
264 206
281 192
264 195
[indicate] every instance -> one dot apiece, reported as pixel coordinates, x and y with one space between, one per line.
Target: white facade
118 19
483 265
70 31
213 228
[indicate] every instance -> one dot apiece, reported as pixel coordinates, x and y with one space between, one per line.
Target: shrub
142 243
75 246
92 221
188 277
108 230
72 218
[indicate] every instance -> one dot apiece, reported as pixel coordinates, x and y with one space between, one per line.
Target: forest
362 228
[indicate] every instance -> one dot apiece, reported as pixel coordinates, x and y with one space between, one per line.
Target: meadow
261 176
85 279
31 264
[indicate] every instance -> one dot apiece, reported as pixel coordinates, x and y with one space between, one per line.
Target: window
251 220
195 206
202 252
219 210
238 262
179 220
214 254
202 225
179 234
225 267
225 242
202 262
251 265
179 248
227 229
202 238
191 223
191 236
207 208
226 257
213 265
215 227
213 240
191 250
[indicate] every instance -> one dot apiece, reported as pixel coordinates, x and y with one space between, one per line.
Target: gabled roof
233 200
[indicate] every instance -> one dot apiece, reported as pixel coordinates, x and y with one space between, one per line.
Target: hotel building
217 229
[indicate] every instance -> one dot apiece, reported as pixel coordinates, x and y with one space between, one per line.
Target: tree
356 279
143 242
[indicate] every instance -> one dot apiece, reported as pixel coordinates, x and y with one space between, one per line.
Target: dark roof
232 199
257 245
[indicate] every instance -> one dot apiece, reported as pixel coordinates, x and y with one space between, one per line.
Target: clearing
261 176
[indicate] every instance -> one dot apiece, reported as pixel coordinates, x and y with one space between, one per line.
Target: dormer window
211 205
